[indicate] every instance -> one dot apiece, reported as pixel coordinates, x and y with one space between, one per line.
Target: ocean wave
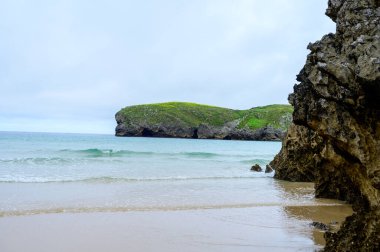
55 161
120 153
106 152
36 160
106 179
200 154
70 155
256 161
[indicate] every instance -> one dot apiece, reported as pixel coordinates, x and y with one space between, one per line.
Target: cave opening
195 134
147 132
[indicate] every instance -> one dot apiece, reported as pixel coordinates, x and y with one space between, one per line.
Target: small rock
268 169
320 225
256 168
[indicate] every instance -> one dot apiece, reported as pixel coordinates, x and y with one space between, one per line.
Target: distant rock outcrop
189 120
336 137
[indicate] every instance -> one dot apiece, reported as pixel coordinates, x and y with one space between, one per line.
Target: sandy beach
266 228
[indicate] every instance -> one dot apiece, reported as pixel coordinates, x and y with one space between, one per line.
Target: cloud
67 63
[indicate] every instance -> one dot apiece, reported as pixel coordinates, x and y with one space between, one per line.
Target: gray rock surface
299 158
229 131
338 101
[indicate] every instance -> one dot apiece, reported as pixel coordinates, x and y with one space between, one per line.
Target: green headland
191 120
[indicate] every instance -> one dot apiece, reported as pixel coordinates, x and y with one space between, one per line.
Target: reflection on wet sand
276 217
327 211
333 216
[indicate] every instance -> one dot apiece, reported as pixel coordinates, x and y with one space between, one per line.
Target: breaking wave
69 156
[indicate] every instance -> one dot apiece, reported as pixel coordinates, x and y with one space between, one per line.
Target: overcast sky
69 66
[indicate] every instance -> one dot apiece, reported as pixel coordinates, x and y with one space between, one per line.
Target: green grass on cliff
192 115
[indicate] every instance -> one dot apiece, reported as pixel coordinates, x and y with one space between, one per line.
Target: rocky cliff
338 101
299 157
189 120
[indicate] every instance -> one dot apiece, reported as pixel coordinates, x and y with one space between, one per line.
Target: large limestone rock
299 157
338 98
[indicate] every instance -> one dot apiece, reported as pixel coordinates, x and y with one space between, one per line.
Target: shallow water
199 195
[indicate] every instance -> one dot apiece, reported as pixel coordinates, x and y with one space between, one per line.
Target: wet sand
262 228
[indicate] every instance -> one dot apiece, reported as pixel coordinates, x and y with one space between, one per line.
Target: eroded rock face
229 131
299 157
338 98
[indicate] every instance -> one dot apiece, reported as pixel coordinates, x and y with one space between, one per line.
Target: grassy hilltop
186 114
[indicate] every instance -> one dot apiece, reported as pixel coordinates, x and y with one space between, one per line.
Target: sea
153 194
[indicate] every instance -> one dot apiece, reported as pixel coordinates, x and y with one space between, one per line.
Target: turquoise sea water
46 157
45 172
155 185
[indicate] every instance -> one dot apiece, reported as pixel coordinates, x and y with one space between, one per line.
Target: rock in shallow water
268 169
320 225
256 168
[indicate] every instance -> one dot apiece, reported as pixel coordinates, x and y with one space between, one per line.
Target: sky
69 66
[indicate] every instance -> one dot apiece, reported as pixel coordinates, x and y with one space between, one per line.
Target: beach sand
262 228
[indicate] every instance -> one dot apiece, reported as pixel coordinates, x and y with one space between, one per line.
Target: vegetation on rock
191 120
192 114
